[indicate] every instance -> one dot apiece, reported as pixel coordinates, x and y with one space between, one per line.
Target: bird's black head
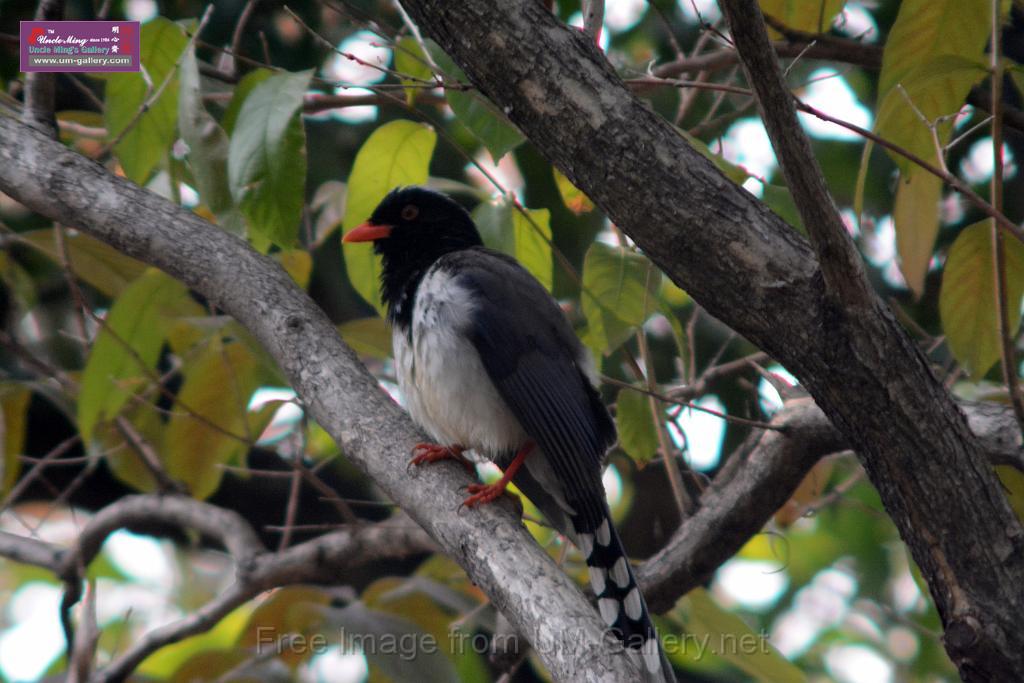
411 228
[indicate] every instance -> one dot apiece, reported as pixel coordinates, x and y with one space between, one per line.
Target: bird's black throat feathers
427 226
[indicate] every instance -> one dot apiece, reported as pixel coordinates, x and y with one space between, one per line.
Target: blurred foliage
289 143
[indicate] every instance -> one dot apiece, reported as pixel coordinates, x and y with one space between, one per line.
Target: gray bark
752 271
490 543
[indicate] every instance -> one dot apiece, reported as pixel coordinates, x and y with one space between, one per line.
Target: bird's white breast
444 384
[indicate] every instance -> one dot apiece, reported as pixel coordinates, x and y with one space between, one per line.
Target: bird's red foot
484 493
425 453
488 493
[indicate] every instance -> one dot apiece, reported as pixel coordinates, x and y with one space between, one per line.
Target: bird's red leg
425 453
487 493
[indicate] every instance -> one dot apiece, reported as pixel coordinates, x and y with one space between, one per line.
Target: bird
490 367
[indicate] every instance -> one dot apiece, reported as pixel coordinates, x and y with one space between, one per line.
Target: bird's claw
481 494
425 453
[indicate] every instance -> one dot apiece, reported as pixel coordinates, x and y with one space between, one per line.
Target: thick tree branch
772 465
766 471
750 270
374 433
29 551
323 560
826 48
838 259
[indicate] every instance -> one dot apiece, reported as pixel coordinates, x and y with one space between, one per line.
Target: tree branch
762 475
839 261
490 543
753 272
29 551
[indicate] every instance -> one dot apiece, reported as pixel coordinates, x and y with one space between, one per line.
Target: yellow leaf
810 16
808 491
210 420
572 196
297 263
14 402
916 217
967 301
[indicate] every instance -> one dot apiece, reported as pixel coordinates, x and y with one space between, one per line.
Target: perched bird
489 365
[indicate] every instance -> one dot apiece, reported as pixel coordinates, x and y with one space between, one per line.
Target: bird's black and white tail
619 600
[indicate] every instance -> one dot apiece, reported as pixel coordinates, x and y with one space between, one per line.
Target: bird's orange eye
410 212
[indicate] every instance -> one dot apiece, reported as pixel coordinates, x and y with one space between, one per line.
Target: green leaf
207 147
916 217
218 386
728 636
224 634
20 285
267 157
142 147
233 664
102 267
862 177
780 200
410 61
288 610
127 348
368 336
572 196
926 29
14 400
505 228
619 293
967 301
933 89
120 454
810 16
1013 484
397 153
533 243
476 112
1016 73
638 435
242 91
489 126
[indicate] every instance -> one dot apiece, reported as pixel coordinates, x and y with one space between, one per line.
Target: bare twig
154 94
236 37
593 19
682 497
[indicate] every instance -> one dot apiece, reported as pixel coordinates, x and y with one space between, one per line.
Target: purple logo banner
79 46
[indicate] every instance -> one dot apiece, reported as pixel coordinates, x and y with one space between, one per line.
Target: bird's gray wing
534 359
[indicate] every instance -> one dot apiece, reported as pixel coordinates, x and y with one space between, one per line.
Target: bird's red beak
367 232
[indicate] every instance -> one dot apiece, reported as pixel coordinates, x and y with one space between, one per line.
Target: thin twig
682 497
236 37
154 94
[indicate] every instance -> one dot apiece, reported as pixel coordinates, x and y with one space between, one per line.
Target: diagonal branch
491 544
839 260
762 475
323 560
750 270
